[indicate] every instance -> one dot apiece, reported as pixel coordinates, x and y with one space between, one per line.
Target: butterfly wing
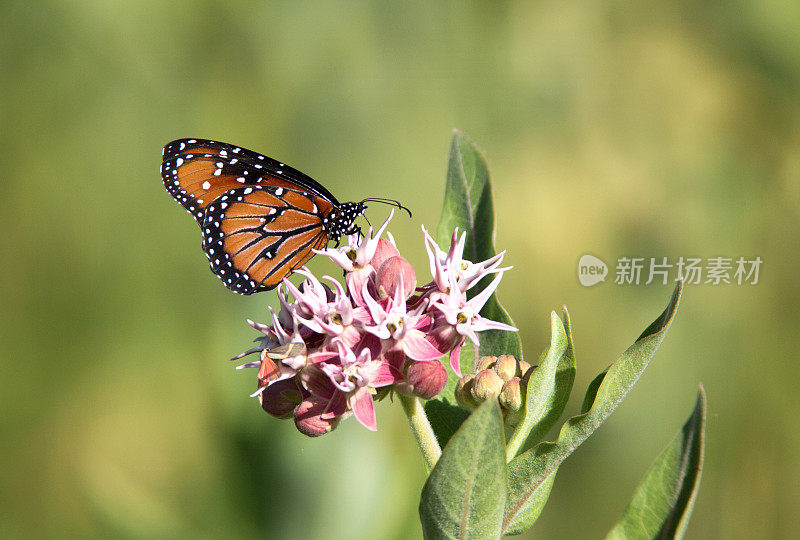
198 171
256 235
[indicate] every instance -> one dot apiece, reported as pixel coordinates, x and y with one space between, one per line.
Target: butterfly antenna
390 202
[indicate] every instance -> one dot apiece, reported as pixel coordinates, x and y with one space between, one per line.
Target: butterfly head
342 220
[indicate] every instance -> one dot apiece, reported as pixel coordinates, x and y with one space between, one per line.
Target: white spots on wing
279 171
234 160
183 145
223 206
219 164
279 191
199 201
258 166
237 150
261 158
192 141
217 172
223 153
271 211
179 162
240 179
248 191
206 185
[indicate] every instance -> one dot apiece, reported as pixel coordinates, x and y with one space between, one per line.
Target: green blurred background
619 129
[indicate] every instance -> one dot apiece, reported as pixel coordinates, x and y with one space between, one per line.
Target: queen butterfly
260 218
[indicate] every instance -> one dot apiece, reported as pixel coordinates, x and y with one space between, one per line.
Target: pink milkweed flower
374 333
356 379
403 330
332 315
463 320
467 273
356 259
313 298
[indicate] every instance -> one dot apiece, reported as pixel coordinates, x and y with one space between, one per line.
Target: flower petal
418 348
386 375
364 409
455 359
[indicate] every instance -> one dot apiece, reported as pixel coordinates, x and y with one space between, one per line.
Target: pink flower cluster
341 347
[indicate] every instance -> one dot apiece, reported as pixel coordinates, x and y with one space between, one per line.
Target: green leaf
541 394
519 482
663 501
464 496
468 205
530 471
468 199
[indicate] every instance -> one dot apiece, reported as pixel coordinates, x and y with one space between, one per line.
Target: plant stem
422 429
516 441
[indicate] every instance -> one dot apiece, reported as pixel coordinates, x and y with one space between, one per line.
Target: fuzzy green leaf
530 471
663 501
464 496
540 396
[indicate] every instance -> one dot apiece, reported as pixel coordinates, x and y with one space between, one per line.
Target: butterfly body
260 218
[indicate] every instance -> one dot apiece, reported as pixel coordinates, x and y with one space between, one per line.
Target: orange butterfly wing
254 236
198 171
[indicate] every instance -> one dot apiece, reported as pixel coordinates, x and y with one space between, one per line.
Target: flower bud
427 378
311 419
524 368
384 250
506 367
486 362
387 279
512 399
463 392
511 395
487 385
280 398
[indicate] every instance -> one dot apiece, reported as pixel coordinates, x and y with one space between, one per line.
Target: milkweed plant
447 350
